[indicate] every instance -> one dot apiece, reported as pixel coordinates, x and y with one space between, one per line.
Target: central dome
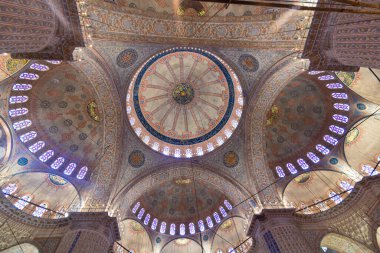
184 102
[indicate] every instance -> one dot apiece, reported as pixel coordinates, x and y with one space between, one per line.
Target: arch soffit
364 248
173 241
148 233
270 85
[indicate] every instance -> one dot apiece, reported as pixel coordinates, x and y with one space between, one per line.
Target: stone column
278 232
89 233
39 29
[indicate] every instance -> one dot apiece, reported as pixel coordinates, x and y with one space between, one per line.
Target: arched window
216 217
172 229
146 220
228 205
312 157
321 205
18 112
336 198
330 139
156 146
231 250
340 118
342 107
182 229
153 226
280 171
134 209
163 227
21 87
177 153
210 224
55 62
228 133
210 147
346 186
46 156
301 162
201 225
200 151
18 99
28 136
336 129
219 251
220 141
222 211
37 146
21 203
10 189
234 123
291 168
82 173
327 77
337 95
192 228
22 124
29 76
40 210
57 163
70 168
369 170
314 72
333 86
166 150
189 153
39 67
141 213
322 149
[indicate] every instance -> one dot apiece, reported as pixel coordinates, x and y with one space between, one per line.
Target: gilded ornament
93 112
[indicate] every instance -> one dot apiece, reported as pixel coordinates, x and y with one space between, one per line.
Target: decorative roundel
248 63
184 102
361 106
22 161
127 58
230 159
57 180
136 159
333 160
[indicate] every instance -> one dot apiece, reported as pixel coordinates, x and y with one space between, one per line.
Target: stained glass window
39 67
325 78
40 210
57 163
234 123
369 170
321 205
330 139
37 146
222 211
228 205
82 173
141 213
22 124
163 227
220 141
18 99
156 146
172 229
312 157
339 95
70 168
182 229
29 76
54 62
301 162
28 136
177 153
21 203
314 72
322 149
228 133
340 118
201 225
342 107
46 156
21 86
18 112
134 209
210 147
280 171
10 189
346 186
146 220
333 86
216 217
291 168
192 228
166 151
210 224
336 198
200 151
189 153
154 224
336 129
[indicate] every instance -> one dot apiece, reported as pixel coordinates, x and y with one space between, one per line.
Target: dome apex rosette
184 102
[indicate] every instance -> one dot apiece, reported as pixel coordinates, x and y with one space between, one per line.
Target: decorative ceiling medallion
227 224
127 58
248 63
93 111
303 178
230 159
57 180
136 159
352 135
184 102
